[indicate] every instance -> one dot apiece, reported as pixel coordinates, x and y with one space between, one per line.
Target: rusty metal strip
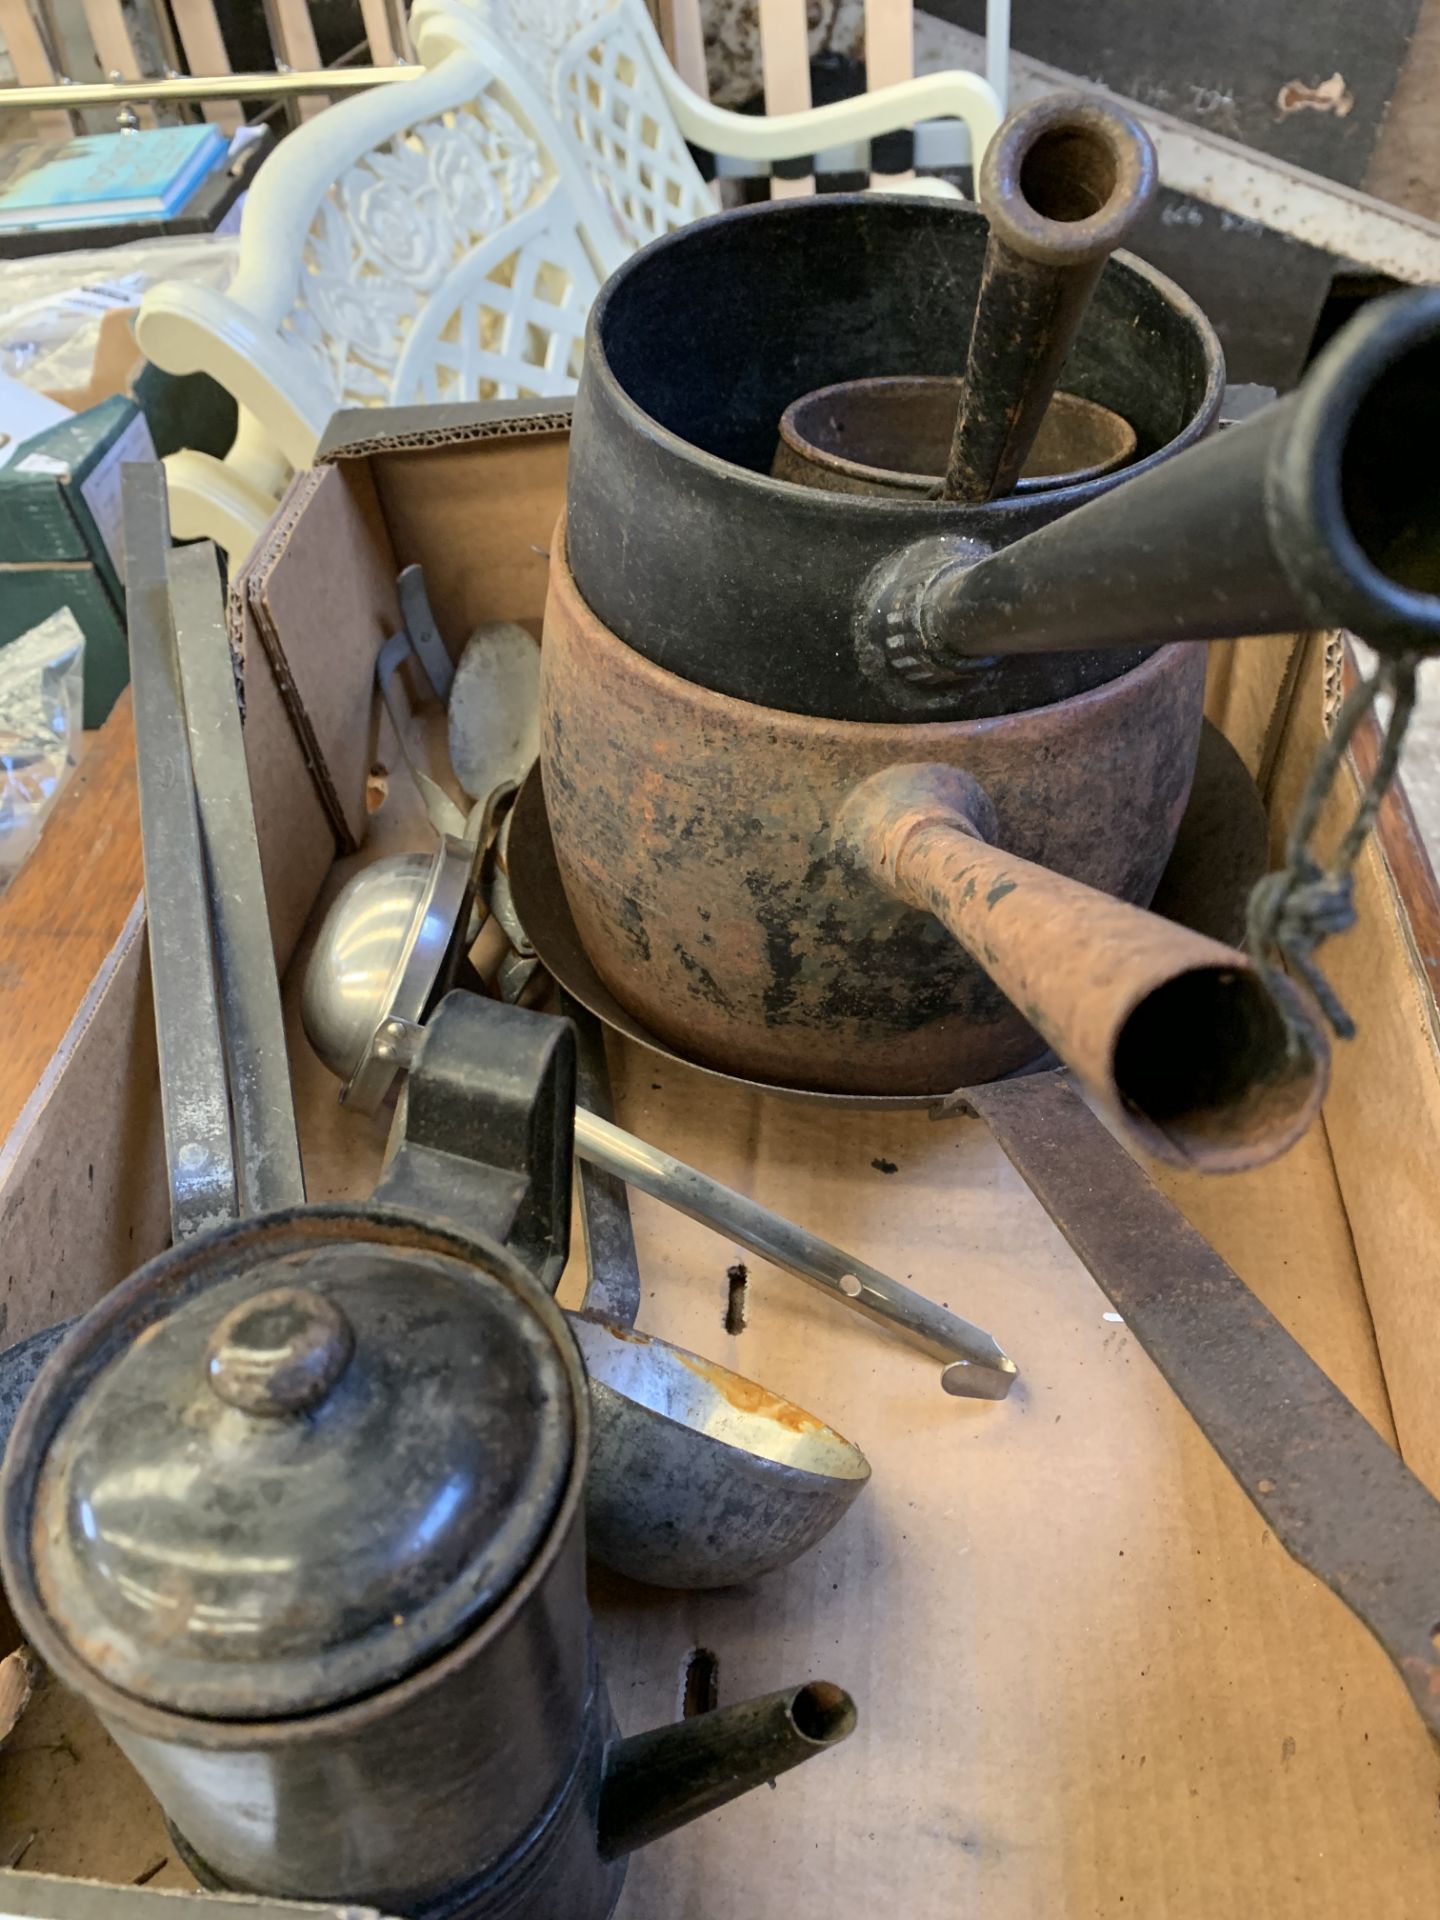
1335 1496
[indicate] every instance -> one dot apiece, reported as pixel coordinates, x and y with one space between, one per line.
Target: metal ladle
698 1477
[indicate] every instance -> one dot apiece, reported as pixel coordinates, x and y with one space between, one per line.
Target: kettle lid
288 1463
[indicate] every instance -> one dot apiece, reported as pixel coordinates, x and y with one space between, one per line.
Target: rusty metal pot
827 904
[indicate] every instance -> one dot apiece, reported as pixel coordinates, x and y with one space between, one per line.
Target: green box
60 541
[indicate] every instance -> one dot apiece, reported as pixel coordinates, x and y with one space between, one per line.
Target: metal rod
258 1063
1335 1496
977 1367
72 94
193 1102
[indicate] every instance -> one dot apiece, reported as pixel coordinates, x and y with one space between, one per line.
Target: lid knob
280 1352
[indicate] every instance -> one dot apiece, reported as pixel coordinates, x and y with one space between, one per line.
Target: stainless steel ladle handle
977 1368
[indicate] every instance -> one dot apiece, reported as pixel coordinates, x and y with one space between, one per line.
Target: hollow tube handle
1049 240
1079 964
1313 514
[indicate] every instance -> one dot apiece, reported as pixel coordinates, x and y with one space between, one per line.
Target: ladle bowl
698 1476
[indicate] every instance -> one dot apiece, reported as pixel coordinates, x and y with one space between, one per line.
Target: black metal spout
1322 511
657 1781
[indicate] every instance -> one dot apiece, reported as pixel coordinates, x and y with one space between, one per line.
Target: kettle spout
657 1781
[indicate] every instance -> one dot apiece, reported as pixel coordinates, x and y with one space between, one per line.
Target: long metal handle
198 1149
976 1366
258 1065
1319 512
1063 183
1328 1487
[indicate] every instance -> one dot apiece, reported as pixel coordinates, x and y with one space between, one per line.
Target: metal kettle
298 1508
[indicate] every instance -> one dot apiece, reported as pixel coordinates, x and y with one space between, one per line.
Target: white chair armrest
786 136
187 329
208 501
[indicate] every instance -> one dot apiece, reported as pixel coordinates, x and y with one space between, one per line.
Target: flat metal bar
196 1112
612 1291
1336 1497
977 1368
73 94
261 1098
424 635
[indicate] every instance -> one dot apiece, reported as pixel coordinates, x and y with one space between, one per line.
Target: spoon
698 1477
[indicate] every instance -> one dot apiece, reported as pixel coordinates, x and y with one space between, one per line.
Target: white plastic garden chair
433 240
607 78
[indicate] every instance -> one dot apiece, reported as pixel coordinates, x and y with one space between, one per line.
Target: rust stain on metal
1171 1030
891 436
746 1397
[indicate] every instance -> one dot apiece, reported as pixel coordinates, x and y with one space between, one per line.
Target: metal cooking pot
899 910
684 545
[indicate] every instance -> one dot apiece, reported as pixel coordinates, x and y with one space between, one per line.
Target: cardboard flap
293 824
471 491
320 591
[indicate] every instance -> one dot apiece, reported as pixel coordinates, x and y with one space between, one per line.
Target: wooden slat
379 35
683 32
889 54
66 908
32 64
292 33
205 51
785 58
114 49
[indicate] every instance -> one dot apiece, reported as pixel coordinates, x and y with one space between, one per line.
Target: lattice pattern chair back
426 240
460 216
507 323
436 240
597 64
628 114
607 92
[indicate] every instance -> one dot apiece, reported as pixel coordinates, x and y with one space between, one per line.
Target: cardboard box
1089 1682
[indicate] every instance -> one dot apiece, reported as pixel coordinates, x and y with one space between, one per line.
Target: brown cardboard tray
1089 1682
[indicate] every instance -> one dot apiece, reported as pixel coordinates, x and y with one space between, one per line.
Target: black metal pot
683 544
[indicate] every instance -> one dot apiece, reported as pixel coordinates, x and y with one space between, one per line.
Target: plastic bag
51 305
42 686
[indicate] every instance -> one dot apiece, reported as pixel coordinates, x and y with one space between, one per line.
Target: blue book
105 178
